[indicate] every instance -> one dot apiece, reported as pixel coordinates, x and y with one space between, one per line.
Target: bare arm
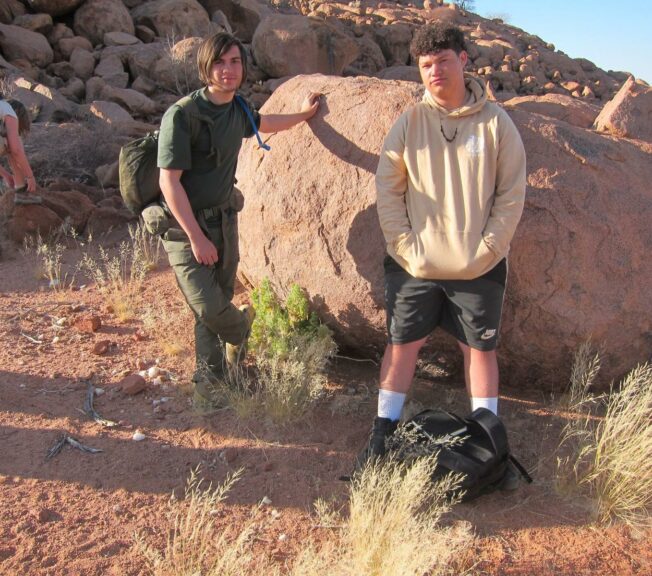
278 122
177 200
17 153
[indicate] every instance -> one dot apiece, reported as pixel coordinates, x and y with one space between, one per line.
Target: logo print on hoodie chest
474 145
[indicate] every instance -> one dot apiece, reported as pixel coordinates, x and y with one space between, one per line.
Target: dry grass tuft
195 545
162 324
148 247
394 526
606 451
50 261
120 276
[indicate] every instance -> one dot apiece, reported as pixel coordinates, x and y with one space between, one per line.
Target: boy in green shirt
197 181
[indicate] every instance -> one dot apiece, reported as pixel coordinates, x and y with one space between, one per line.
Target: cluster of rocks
140 55
65 204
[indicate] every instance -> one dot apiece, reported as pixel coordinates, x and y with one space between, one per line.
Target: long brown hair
24 121
212 48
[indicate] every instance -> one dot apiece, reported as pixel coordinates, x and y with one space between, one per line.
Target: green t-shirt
208 171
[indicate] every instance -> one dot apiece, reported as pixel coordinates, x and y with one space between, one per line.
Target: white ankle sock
488 403
390 404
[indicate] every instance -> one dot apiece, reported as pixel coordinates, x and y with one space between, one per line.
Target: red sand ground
77 513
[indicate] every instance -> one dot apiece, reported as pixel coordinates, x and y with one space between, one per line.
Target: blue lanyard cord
253 122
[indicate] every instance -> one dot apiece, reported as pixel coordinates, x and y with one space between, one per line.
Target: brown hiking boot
202 405
209 393
235 353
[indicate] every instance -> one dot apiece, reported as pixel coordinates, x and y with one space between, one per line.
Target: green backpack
139 173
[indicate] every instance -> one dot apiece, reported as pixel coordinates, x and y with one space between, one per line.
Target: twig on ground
356 359
31 339
90 411
65 439
57 391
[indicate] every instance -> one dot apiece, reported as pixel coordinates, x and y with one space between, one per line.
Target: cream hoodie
449 210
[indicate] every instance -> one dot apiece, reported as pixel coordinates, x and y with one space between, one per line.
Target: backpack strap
521 469
195 119
495 430
245 107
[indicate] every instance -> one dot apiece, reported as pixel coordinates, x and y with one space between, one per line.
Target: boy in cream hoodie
451 188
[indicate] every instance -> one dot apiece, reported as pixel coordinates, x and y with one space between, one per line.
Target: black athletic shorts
469 310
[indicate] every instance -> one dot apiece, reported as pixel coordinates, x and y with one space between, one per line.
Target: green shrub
291 348
284 332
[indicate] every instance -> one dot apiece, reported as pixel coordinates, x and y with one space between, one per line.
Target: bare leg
396 372
480 372
399 363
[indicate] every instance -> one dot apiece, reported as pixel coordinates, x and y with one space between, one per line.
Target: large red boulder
289 45
32 220
629 113
572 110
97 17
70 205
579 266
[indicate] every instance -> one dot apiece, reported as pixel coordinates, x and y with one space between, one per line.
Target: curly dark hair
435 37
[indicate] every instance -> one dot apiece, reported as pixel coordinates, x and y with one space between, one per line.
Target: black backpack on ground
476 446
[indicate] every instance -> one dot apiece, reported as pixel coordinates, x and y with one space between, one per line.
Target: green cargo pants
208 290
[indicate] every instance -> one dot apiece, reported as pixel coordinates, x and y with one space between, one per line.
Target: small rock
101 347
138 436
47 515
157 381
162 400
117 509
99 391
266 501
133 384
55 339
88 324
282 537
153 372
139 335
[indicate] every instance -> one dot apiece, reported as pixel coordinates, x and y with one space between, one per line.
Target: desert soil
77 513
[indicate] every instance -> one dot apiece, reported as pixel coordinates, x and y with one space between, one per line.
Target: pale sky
613 35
